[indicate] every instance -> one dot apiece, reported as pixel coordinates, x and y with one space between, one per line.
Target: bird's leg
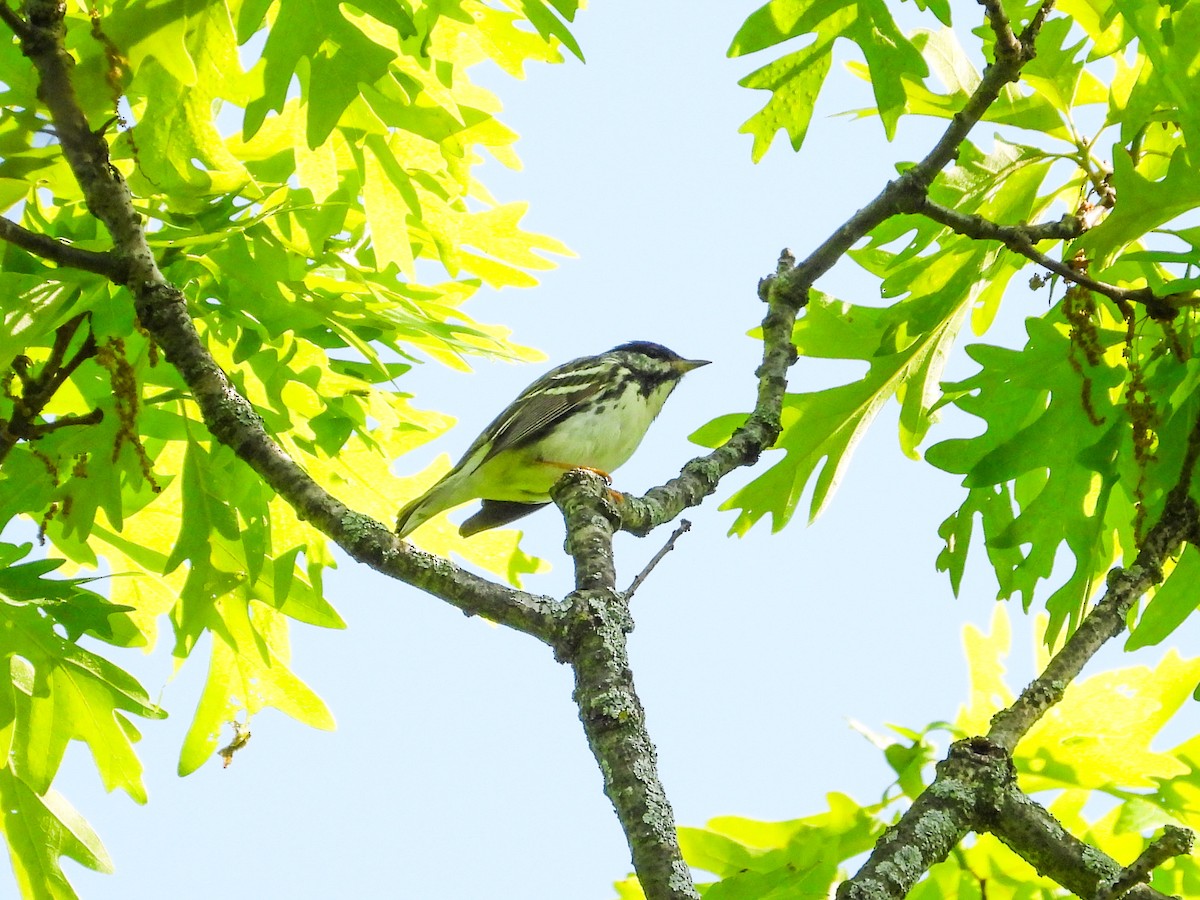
567 467
613 495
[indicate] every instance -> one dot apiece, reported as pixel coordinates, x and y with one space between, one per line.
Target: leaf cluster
1085 425
1092 745
307 173
1084 429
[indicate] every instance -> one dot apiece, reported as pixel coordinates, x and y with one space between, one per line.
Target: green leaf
206 507
541 16
1124 710
248 672
337 56
78 610
1029 399
184 152
39 829
779 860
32 311
1171 604
1142 204
796 79
63 693
1057 73
905 346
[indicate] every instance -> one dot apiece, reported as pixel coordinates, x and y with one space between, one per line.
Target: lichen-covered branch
1174 841
593 641
1030 831
973 773
700 476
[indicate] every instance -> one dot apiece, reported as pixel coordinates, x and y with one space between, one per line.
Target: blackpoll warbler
589 413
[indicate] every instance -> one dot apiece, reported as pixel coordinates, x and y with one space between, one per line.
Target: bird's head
653 364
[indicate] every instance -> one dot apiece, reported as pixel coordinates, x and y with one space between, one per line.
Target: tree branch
593 642
1030 831
1008 45
700 476
62 253
39 390
1174 841
1029 34
973 773
1022 238
13 20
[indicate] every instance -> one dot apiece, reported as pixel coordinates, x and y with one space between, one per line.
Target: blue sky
459 769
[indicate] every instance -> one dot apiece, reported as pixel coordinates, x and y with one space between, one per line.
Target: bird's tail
417 512
410 517
494 513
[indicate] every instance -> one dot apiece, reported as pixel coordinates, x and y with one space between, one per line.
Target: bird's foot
567 467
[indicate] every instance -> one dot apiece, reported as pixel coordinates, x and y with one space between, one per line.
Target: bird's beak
683 366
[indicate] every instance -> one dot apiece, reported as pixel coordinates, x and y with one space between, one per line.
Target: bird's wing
552 397
548 400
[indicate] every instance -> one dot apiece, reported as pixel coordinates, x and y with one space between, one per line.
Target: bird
589 413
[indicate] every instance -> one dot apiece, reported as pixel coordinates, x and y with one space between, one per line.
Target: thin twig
1029 34
13 20
1021 239
95 417
1174 841
684 527
37 391
976 226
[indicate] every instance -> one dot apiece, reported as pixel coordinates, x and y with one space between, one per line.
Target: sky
459 768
